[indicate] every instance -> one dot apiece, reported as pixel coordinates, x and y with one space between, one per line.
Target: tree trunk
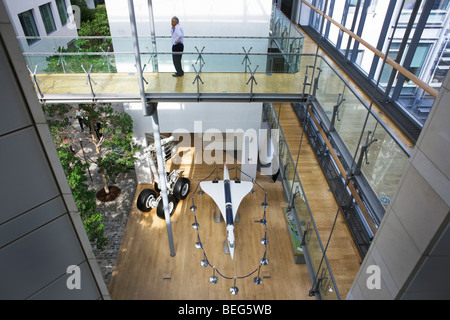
99 155
104 180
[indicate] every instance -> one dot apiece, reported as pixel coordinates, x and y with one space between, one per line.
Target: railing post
305 82
90 81
246 58
364 150
35 81
106 58
336 112
197 78
252 79
200 58
316 82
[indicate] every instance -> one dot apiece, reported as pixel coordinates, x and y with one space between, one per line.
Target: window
62 10
29 26
419 58
440 4
387 70
47 17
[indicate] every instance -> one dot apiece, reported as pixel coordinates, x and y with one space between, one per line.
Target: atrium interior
336 111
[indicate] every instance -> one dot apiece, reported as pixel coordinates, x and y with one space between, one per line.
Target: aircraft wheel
145 199
182 188
172 206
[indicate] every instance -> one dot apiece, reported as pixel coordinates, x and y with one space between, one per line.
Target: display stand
297 249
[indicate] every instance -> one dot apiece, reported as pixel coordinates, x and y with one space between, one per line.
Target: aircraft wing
216 190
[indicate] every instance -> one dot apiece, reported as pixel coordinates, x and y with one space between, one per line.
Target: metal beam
174 97
156 133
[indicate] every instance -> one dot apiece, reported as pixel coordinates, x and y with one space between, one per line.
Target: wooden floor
342 253
126 84
145 269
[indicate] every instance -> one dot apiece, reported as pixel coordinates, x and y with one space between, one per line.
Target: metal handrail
160 52
364 103
155 37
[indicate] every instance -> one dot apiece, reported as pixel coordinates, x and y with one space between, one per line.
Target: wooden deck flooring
342 253
145 269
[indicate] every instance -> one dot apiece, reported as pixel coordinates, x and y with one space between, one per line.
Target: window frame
29 30
61 6
48 21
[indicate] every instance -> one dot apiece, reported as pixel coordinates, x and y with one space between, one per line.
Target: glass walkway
218 69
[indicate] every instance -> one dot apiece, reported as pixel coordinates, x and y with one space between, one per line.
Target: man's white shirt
177 34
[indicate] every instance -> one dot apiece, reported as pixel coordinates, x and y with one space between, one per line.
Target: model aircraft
227 194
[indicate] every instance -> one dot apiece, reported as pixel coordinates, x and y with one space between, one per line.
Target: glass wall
386 158
322 276
419 42
206 54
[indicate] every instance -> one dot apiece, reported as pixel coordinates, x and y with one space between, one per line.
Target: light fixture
213 279
234 290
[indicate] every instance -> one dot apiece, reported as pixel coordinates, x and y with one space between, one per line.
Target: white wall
204 118
15 7
233 18
215 18
68 32
198 17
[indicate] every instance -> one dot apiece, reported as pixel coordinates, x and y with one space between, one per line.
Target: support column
151 110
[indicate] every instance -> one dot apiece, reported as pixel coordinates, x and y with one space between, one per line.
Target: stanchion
197 79
205 262
36 80
89 80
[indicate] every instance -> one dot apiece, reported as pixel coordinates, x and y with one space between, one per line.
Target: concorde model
227 194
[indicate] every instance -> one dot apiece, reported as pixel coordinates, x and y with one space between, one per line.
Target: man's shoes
177 75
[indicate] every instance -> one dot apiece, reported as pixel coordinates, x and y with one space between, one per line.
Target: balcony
96 69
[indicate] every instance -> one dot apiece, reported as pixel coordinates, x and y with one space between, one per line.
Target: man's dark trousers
179 47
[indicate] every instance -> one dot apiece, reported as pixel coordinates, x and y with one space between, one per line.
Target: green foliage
56 115
113 152
96 229
116 148
98 26
93 24
73 63
75 171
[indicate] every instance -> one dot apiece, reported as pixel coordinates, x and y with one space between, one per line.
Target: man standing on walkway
177 46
